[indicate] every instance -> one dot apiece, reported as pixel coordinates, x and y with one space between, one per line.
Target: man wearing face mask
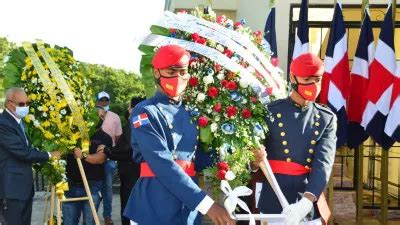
16 158
164 142
301 147
111 124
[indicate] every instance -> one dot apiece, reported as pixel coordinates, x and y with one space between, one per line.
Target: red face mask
173 86
307 91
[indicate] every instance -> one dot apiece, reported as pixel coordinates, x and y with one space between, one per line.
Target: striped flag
301 41
270 36
392 127
380 85
336 79
359 83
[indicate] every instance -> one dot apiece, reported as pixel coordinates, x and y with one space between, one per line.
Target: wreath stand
59 201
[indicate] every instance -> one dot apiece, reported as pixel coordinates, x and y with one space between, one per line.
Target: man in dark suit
16 158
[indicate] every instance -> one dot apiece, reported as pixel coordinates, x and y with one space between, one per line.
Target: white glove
296 212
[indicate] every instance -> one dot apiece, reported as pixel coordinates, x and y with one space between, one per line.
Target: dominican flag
392 127
336 79
359 83
140 120
270 36
301 42
380 85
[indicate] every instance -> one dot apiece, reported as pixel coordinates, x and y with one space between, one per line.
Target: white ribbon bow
232 199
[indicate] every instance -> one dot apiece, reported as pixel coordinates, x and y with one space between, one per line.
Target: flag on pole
392 127
359 83
301 41
380 85
270 36
336 79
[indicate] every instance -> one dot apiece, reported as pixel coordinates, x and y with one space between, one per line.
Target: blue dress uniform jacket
304 135
171 197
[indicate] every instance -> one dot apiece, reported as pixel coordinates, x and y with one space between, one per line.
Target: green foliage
5 48
121 85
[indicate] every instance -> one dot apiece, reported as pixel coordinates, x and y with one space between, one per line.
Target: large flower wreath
229 107
49 124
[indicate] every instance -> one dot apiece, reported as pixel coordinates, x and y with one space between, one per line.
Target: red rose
228 52
220 19
275 61
213 92
218 107
172 30
246 113
231 75
253 99
201 41
225 83
237 24
221 174
269 90
182 11
231 85
231 111
203 121
195 37
193 81
223 166
257 33
217 67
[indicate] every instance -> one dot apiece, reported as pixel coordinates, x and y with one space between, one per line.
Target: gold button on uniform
318 116
170 126
286 151
283 134
316 132
284 142
288 160
308 160
280 124
197 137
311 150
313 142
279 115
317 124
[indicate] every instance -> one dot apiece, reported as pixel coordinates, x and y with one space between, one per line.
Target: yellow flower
48 135
46 124
32 97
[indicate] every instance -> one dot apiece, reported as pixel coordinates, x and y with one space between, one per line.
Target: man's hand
77 153
56 154
219 215
259 156
100 148
296 212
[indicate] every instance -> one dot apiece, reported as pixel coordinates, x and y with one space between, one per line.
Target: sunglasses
20 104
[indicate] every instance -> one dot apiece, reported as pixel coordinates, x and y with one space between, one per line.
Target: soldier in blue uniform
301 147
164 142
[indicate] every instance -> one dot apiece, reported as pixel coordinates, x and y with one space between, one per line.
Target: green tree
121 85
5 48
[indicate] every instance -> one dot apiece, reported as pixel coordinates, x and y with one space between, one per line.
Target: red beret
307 65
171 56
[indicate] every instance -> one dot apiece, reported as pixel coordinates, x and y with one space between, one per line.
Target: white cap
103 94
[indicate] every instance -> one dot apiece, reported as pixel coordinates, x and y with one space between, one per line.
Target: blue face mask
21 112
106 108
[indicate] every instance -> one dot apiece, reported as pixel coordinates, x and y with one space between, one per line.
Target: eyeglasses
20 104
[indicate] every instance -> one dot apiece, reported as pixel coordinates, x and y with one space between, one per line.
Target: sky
98 31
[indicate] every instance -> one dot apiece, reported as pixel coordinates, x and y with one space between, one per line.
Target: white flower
63 111
40 108
244 83
208 79
34 80
31 117
244 101
221 76
229 175
36 123
200 97
220 48
214 127
44 114
217 118
51 108
62 162
209 111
